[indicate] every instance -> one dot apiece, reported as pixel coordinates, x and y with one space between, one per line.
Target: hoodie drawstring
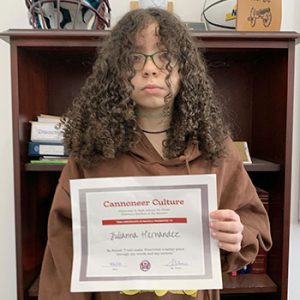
187 164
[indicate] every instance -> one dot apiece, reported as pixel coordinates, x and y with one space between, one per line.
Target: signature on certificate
115 265
176 263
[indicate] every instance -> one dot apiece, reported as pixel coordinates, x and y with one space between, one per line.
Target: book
39 149
50 162
259 266
53 157
48 118
50 132
243 149
50 159
264 197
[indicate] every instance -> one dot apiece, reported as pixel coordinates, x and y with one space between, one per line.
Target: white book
48 118
50 132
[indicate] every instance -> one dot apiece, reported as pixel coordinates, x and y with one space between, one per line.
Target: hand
226 227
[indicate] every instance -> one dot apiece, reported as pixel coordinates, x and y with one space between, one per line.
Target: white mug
154 3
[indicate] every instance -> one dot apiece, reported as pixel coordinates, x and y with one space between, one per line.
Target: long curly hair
102 121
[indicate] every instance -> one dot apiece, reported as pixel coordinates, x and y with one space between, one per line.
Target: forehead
148 38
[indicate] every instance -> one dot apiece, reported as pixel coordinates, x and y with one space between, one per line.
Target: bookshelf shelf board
248 283
34 289
258 165
44 167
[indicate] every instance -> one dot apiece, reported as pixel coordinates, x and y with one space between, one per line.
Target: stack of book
46 141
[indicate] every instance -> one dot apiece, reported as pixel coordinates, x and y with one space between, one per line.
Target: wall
189 13
294 258
13 14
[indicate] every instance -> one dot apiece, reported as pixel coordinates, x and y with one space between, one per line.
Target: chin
151 103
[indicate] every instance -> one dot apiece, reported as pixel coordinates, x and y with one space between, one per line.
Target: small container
154 3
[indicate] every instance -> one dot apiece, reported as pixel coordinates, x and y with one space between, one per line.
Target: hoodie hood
143 160
145 153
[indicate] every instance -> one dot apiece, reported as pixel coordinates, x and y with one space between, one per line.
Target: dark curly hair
102 122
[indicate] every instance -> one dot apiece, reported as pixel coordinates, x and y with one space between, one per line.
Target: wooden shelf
248 283
241 284
258 165
44 167
34 289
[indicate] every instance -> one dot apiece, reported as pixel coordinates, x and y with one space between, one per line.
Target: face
150 87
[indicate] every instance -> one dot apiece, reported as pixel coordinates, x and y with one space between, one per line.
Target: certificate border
84 234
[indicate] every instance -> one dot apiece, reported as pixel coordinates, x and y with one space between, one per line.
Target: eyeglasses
160 59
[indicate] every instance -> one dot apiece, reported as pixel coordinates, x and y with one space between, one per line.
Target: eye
137 58
163 56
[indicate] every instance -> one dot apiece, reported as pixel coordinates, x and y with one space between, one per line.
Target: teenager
148 109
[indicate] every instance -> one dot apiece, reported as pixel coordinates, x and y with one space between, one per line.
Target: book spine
259 265
38 149
46 132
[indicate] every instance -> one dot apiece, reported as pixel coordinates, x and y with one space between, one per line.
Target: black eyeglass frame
146 56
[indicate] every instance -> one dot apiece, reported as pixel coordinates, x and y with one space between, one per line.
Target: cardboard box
258 15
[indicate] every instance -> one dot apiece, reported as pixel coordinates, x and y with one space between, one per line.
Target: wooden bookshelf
248 283
245 283
253 74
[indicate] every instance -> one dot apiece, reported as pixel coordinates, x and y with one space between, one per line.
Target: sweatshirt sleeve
237 192
56 270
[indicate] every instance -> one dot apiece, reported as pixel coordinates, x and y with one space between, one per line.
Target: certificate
149 233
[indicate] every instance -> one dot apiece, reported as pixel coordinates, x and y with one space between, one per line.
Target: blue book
39 149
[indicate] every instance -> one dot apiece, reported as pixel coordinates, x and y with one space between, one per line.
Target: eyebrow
160 47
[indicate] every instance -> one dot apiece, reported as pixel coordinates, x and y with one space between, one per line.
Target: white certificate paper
149 233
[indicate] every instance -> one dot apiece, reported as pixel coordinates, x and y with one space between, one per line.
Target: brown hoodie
234 188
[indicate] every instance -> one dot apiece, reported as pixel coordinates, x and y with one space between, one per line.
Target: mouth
152 89
151 86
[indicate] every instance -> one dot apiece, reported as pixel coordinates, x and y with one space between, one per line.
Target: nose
149 68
